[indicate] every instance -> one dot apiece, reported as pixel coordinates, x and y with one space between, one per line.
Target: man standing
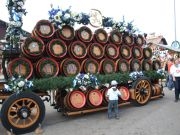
113 94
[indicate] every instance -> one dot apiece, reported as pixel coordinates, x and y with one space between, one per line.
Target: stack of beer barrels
51 52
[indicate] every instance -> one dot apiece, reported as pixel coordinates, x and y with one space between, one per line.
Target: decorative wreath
115 37
70 67
107 66
44 28
146 65
33 47
128 39
135 65
85 34
101 36
123 66
91 66
78 49
147 53
137 52
20 66
125 52
47 67
139 40
66 33
111 51
96 50
57 48
156 65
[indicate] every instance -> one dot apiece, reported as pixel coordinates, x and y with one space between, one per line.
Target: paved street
158 117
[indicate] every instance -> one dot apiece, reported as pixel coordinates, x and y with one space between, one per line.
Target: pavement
158 117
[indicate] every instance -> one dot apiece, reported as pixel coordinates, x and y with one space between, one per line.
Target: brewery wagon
71 68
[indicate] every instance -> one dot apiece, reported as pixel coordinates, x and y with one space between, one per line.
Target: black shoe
117 118
176 100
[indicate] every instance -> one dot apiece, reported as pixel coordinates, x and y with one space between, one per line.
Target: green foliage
62 82
153 75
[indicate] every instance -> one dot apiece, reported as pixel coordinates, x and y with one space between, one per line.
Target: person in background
175 72
113 95
169 79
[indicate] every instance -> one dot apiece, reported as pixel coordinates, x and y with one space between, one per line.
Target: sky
149 16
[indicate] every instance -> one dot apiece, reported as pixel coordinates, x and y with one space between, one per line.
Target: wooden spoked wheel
142 91
22 113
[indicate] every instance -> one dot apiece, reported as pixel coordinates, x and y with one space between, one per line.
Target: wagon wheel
22 113
142 91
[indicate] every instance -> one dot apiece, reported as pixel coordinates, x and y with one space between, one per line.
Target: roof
153 39
4 26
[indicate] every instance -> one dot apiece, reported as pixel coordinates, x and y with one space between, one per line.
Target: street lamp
175 44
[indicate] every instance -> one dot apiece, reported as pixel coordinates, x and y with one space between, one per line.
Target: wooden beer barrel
104 93
139 40
70 67
147 53
101 36
90 65
56 48
115 37
84 34
96 51
33 47
146 65
122 66
156 90
47 67
107 66
135 65
156 64
20 66
125 94
78 49
111 51
66 33
75 100
44 29
125 52
128 39
94 98
137 52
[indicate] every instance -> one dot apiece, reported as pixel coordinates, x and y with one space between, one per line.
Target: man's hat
114 82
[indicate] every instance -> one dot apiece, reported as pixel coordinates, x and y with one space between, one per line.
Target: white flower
59 13
57 18
6 87
20 3
86 76
66 16
21 84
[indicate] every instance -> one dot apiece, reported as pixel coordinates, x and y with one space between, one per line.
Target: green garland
62 82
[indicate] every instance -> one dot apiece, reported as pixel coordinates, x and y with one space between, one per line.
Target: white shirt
175 70
113 94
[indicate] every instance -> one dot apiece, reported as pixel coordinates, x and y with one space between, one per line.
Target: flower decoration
161 73
82 18
83 81
16 11
18 85
61 17
135 75
108 22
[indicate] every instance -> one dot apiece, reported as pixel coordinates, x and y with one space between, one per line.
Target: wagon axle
24 112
